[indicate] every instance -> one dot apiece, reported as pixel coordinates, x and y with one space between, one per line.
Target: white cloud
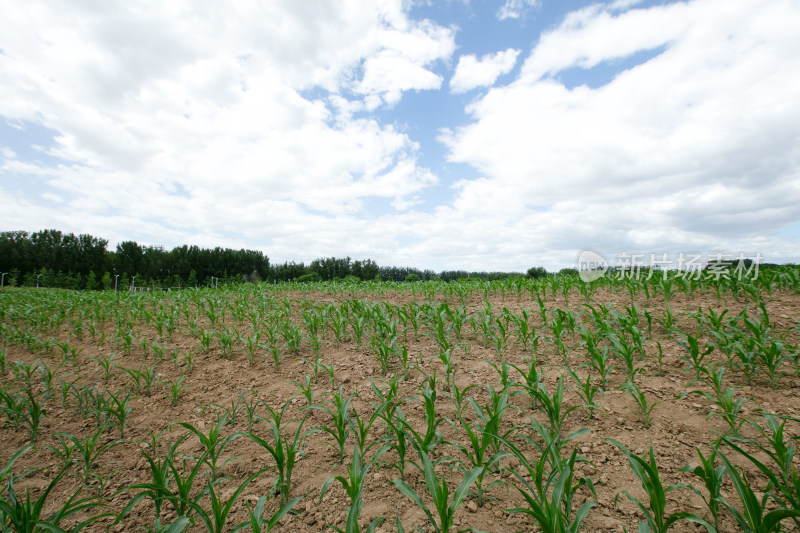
513 9
693 148
472 72
178 122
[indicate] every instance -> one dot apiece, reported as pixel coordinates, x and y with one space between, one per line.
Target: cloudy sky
443 134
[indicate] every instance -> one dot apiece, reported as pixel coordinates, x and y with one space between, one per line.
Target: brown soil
679 426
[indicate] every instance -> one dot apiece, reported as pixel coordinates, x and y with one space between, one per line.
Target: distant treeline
50 258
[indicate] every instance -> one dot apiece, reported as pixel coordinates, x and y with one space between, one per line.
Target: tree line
50 258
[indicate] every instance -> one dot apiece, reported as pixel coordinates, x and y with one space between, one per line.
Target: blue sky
481 135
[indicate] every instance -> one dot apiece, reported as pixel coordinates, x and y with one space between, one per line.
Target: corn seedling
258 524
754 516
353 486
174 389
712 475
104 362
439 491
549 495
696 355
586 390
87 451
656 518
26 516
213 444
339 411
284 450
645 408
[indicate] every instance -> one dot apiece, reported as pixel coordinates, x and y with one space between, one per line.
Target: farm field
543 405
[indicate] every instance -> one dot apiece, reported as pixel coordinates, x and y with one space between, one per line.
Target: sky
442 134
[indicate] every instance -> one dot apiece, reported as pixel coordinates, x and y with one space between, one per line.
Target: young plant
174 389
551 508
645 409
656 518
696 355
439 491
26 516
284 450
586 390
478 454
257 524
89 450
712 476
213 443
353 486
754 516
339 412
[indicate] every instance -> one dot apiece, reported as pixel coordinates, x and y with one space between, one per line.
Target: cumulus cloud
513 9
209 123
472 72
695 147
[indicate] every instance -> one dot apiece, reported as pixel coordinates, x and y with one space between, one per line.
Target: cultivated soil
679 424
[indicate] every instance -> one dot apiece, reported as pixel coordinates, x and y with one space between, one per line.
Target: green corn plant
257 524
586 390
47 375
696 355
275 351
353 486
26 515
25 372
553 405
249 408
232 413
213 443
292 336
174 389
116 410
712 475
531 376
459 397
729 406
745 358
142 379
627 352
306 389
159 486
216 518
784 478
478 454
656 518
443 505
361 428
104 361
659 359
645 408
252 344
772 358
754 516
339 411
188 360
432 436
549 495
88 451
206 336
13 406
284 450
